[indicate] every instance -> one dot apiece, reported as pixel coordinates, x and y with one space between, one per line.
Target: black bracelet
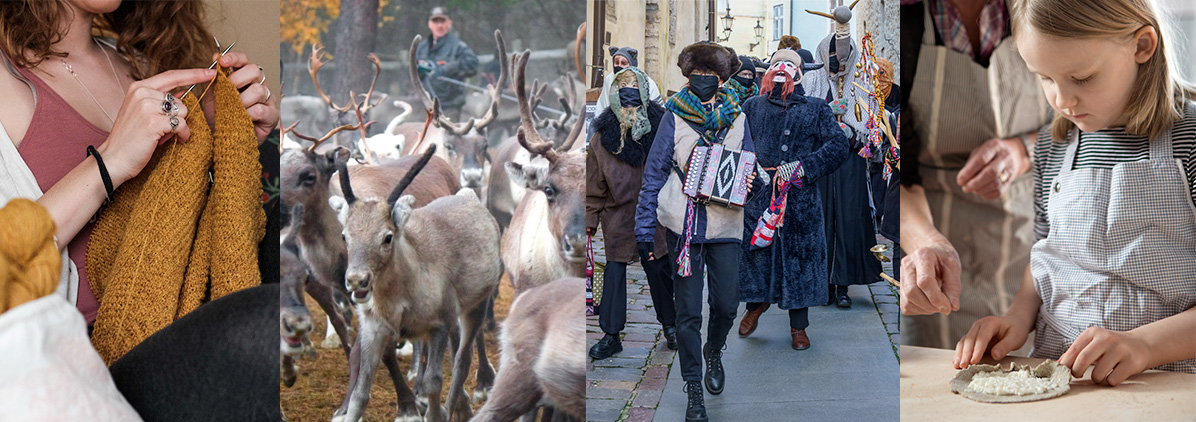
91 150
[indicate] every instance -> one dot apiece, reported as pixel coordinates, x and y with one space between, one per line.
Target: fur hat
789 41
628 52
710 57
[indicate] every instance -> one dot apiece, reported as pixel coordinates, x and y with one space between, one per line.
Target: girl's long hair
1159 94
154 36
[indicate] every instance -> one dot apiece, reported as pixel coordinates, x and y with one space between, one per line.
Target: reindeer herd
413 244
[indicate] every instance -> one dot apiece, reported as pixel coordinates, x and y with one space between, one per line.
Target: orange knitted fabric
29 260
171 240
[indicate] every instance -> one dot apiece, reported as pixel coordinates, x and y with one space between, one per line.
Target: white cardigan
50 370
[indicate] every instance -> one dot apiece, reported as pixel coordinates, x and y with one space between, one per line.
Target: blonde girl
1110 281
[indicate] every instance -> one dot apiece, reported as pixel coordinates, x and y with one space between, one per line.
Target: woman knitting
84 121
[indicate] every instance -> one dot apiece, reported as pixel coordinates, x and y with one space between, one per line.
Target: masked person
614 174
444 55
850 234
623 58
797 141
743 83
702 237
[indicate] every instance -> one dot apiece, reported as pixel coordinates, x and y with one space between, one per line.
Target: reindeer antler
581 35
327 136
527 129
365 104
314 65
410 176
342 167
573 134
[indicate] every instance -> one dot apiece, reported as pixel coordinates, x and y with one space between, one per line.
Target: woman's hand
257 99
1117 355
998 335
990 169
142 122
930 278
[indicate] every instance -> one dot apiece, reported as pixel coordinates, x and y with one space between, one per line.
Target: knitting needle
213 65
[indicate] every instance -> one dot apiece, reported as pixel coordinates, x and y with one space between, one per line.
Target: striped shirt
1104 149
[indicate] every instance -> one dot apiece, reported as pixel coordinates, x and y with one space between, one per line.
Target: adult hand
991 169
930 278
142 122
255 96
1001 334
645 249
1117 355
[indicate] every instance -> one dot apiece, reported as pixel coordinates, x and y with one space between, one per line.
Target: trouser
612 312
799 319
721 262
221 360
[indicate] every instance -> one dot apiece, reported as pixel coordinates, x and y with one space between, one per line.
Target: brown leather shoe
748 325
800 341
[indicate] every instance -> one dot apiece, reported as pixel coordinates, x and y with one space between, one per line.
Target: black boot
844 301
609 345
695 410
714 369
670 337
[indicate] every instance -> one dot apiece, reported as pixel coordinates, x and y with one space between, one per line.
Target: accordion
718 175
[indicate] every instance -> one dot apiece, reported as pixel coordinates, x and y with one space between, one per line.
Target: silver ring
263 75
268 93
174 123
1004 176
167 105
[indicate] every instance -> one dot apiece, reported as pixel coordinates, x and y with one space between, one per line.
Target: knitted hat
746 63
628 52
709 57
795 57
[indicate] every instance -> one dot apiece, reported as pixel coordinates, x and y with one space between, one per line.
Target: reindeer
546 239
414 273
294 320
543 355
461 144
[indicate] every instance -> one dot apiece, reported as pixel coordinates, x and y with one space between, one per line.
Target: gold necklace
71 69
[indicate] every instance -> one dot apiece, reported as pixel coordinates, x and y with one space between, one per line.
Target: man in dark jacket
444 55
702 113
614 173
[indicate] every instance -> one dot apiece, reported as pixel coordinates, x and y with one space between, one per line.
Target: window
778 21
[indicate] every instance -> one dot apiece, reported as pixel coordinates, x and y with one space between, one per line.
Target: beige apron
957 106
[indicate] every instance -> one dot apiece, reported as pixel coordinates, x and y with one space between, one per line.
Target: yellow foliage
303 22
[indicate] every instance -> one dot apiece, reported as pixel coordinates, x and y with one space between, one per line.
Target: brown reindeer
546 239
461 143
414 273
294 320
543 355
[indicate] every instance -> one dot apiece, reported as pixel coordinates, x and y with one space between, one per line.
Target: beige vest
721 222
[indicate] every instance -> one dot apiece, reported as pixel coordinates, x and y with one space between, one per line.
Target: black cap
438 13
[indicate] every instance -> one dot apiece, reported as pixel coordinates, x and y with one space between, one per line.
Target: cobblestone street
850 371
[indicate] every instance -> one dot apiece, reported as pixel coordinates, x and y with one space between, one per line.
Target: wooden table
926 395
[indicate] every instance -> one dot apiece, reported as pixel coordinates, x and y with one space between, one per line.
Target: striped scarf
686 105
742 93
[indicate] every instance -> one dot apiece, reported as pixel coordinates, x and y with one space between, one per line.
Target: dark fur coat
792 271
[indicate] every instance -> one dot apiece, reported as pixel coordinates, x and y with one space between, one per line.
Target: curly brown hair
154 36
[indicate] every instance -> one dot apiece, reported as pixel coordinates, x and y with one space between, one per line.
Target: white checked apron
1121 252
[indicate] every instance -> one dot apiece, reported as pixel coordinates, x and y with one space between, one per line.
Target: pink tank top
55 143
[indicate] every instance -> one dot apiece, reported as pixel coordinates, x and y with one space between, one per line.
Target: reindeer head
465 147
294 320
373 228
305 175
562 183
